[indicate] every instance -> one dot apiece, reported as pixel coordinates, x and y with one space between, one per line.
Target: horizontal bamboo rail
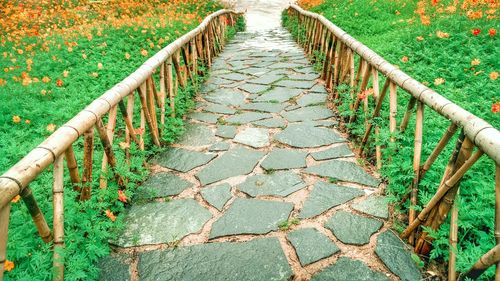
174 65
341 52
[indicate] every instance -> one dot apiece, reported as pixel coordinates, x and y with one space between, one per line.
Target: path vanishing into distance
261 186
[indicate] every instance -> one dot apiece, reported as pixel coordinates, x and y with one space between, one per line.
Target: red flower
476 31
121 196
59 83
435 2
495 108
492 32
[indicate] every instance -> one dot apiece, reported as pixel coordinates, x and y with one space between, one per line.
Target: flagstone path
261 186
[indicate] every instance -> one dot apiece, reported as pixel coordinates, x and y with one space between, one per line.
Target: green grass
391 29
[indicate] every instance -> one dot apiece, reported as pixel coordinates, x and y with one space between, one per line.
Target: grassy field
56 57
453 47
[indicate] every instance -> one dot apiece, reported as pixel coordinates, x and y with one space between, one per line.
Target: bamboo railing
341 53
182 58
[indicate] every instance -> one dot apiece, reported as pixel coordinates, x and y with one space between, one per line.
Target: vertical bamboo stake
194 60
185 57
127 117
497 216
162 93
450 131
453 240
143 129
4 229
36 214
150 102
406 118
207 49
72 167
103 181
170 86
58 206
393 107
88 154
199 47
417 153
328 72
145 112
176 61
364 83
327 62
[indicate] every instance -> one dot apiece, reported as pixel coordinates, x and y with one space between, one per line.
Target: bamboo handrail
201 43
348 62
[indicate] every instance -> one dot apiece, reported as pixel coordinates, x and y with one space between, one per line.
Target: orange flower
144 52
139 131
8 265
492 32
45 79
475 62
442 35
2 82
59 83
404 59
16 119
420 38
15 199
27 121
51 127
121 196
494 75
99 66
65 73
438 81
110 215
127 56
495 108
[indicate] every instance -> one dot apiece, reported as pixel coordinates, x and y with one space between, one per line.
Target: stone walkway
261 186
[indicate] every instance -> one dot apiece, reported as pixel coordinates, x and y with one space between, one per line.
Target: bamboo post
106 143
393 107
176 62
72 167
194 60
127 117
170 86
4 229
453 240
337 67
497 215
143 129
447 185
450 131
417 153
36 214
58 223
147 117
103 181
207 49
328 55
88 154
162 94
364 83
150 101
186 59
329 70
199 47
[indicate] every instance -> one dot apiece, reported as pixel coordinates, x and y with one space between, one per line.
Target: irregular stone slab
253 137
162 185
204 117
256 71
220 146
373 205
227 132
311 99
292 107
251 216
285 65
277 184
311 245
302 136
395 255
234 76
271 123
301 84
114 268
281 158
279 94
219 108
266 79
318 88
256 260
352 229
162 222
264 106
348 269
234 162
309 76
197 135
248 117
253 88
226 97
325 196
308 113
332 153
322 123
214 80
217 196
183 160
344 171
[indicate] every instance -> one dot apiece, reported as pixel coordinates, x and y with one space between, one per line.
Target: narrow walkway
261 187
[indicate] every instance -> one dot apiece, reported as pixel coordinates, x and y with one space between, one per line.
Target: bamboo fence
341 53
182 57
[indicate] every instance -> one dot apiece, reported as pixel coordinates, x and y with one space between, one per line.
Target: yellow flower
438 81
475 62
16 119
99 66
51 127
494 75
65 73
84 56
8 266
127 56
43 92
420 38
45 79
404 59
442 35
94 74
144 52
15 199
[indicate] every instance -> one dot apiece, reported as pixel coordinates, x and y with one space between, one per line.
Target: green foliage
390 29
285 225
